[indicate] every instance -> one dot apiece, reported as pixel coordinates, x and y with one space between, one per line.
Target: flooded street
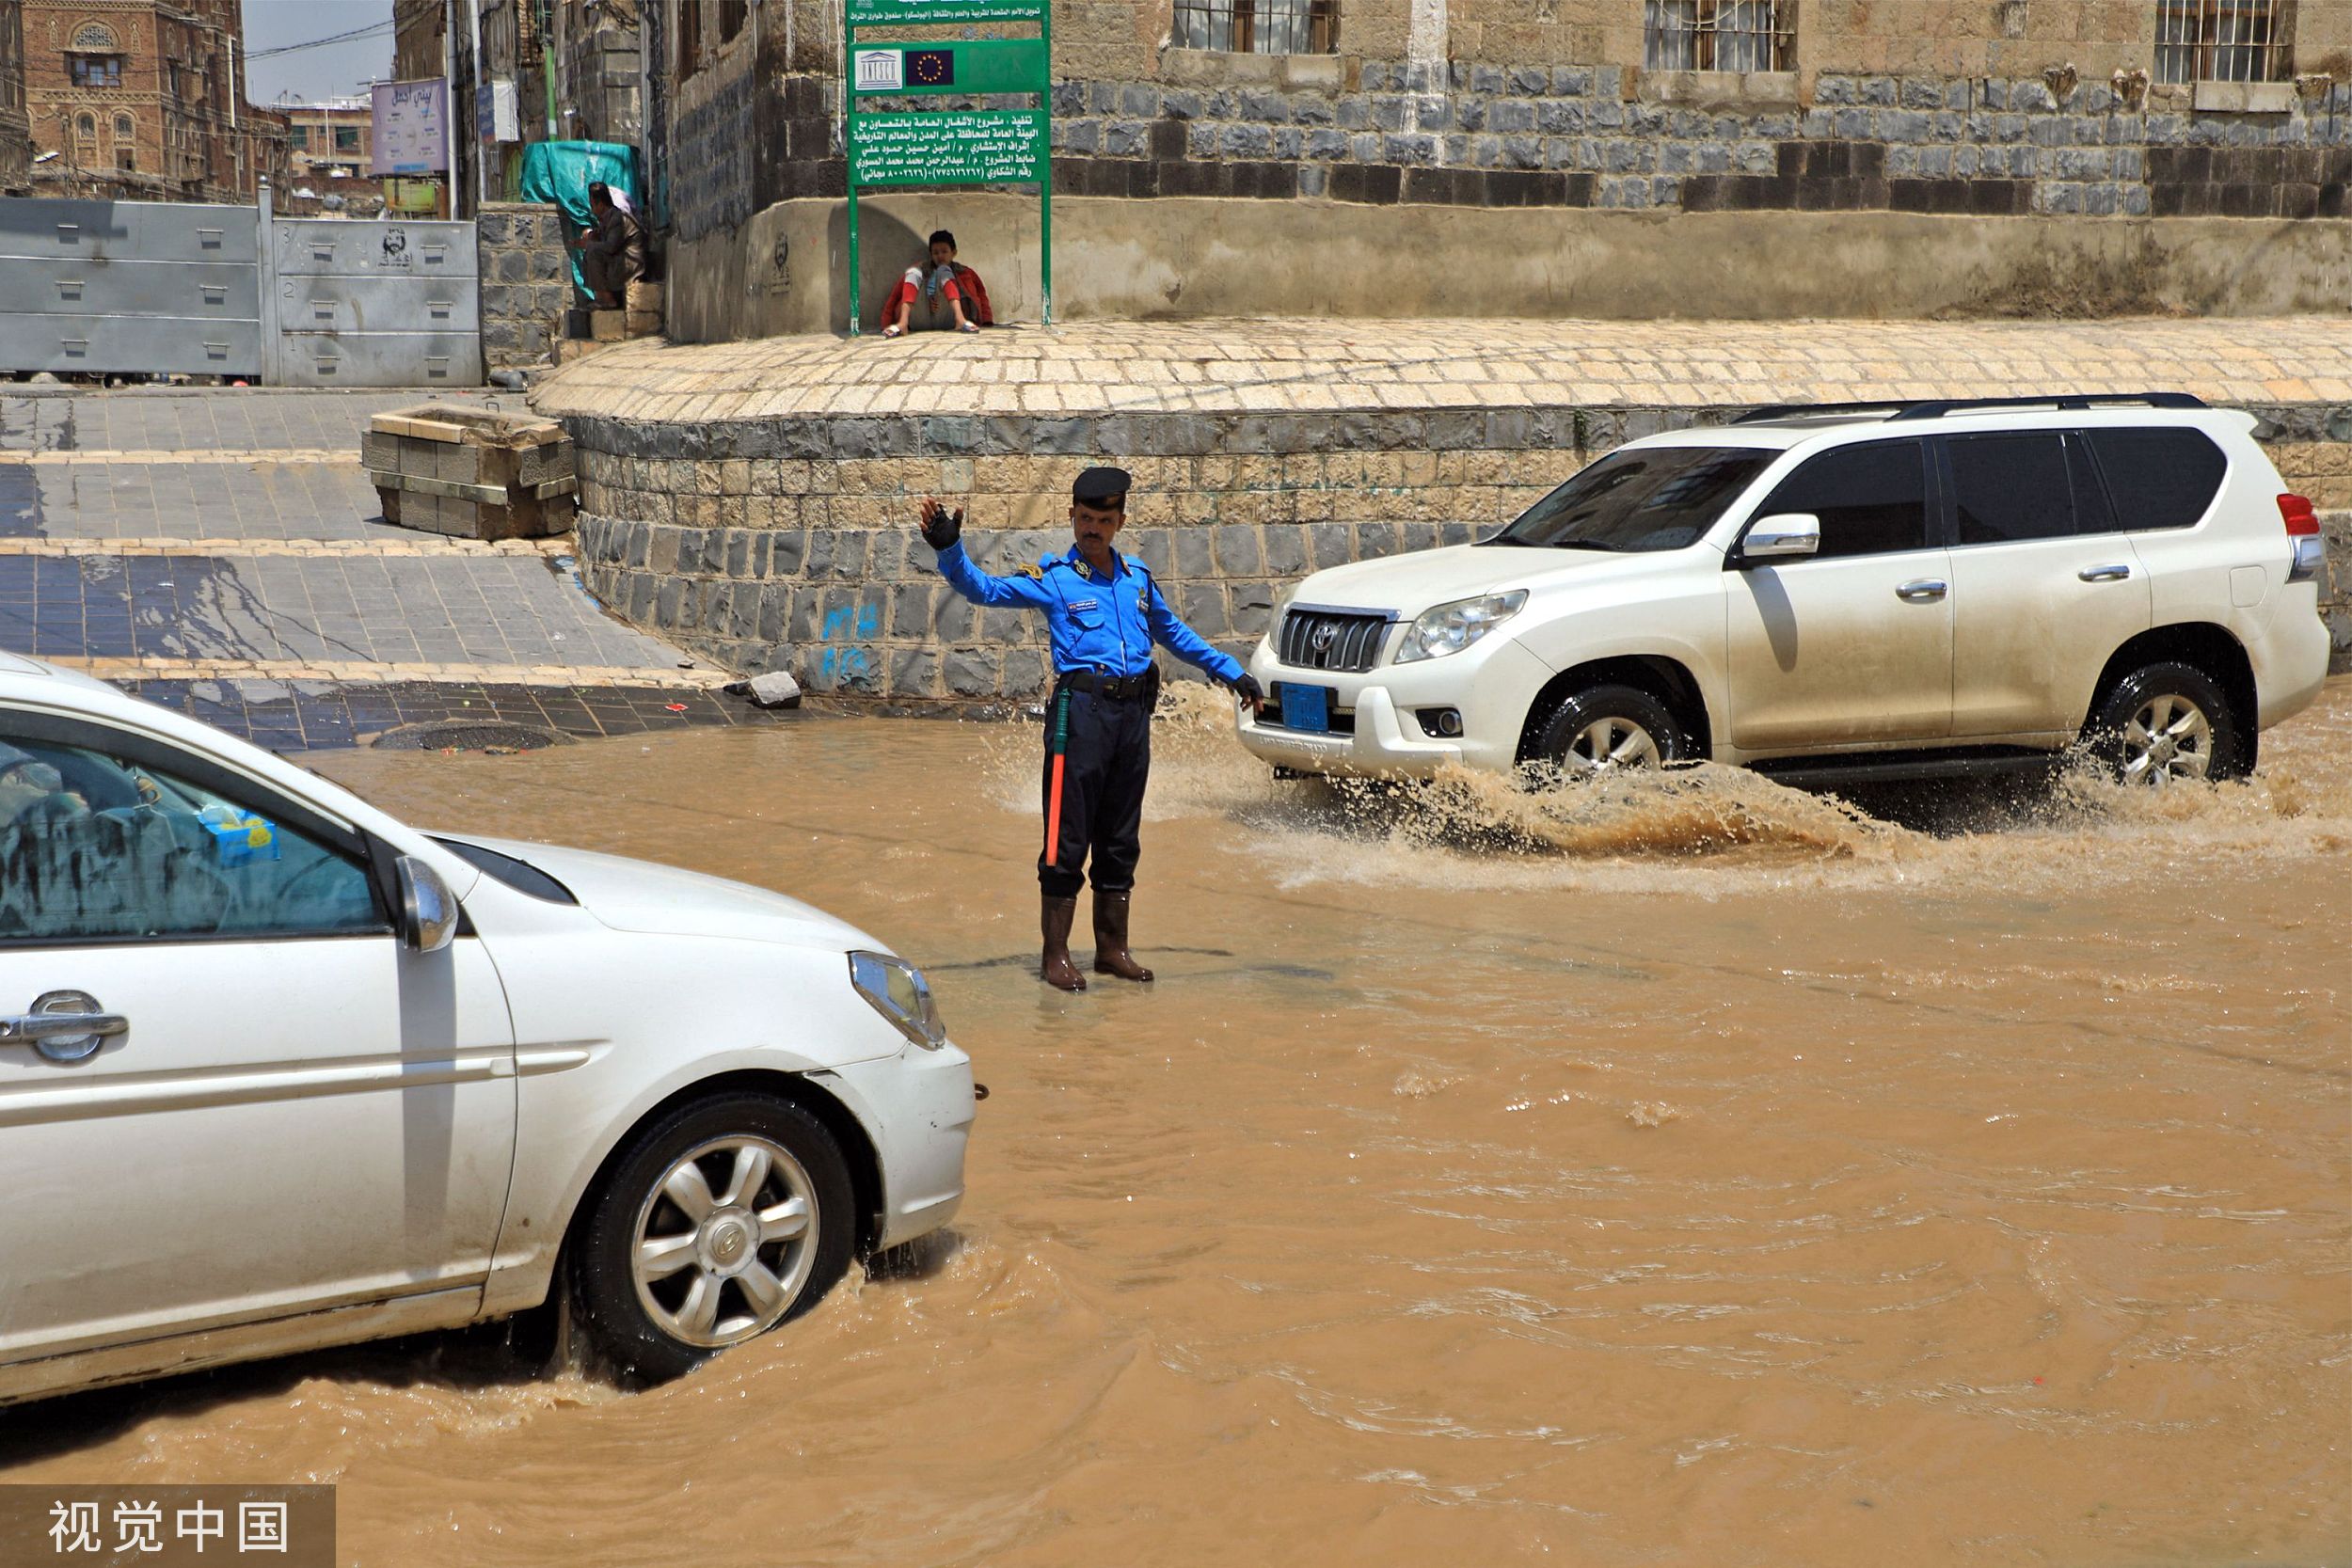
1698 1173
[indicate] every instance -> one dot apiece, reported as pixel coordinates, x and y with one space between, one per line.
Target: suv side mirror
1782 536
428 911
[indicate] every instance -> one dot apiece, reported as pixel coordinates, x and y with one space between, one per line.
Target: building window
127 159
732 15
298 138
1714 35
2223 41
1259 26
94 71
346 139
125 128
690 38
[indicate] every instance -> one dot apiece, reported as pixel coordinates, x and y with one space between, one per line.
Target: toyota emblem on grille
1323 637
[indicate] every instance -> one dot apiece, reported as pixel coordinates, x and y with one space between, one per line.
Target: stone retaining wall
790 544
526 281
1465 134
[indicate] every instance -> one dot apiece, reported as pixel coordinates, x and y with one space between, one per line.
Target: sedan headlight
898 991
1450 627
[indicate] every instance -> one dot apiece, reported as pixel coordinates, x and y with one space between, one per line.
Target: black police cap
1102 488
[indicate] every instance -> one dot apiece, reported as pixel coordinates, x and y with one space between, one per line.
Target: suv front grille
1330 638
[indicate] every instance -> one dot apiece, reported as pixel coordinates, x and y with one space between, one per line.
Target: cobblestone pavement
222 552
1296 365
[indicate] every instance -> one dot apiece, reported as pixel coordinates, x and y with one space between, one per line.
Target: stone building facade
330 140
599 73
144 98
1617 127
16 133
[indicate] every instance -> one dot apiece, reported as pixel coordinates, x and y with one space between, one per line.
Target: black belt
1122 689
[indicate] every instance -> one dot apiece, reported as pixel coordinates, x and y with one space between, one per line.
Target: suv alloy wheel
1606 730
2168 723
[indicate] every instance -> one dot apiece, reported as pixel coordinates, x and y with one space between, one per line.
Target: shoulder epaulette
1036 571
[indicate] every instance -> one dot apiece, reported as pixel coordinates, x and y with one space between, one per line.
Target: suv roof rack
1936 409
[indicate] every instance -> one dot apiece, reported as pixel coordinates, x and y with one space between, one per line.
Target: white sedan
278 1072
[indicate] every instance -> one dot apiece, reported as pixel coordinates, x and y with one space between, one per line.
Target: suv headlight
898 991
1450 627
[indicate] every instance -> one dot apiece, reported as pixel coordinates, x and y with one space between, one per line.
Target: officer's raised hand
1246 688
941 526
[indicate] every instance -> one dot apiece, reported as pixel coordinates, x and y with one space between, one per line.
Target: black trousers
1106 760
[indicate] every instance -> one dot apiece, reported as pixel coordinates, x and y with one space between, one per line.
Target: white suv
1834 592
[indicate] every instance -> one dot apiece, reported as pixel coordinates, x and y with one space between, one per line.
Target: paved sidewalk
1289 366
222 551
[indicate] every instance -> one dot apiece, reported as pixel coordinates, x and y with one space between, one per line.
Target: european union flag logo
931 68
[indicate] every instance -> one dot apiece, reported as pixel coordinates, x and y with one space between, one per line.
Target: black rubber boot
1056 969
1110 937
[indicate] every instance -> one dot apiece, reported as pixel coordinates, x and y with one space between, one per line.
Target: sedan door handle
1923 591
64 1026
2115 572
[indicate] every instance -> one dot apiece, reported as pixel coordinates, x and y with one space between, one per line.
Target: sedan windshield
1653 499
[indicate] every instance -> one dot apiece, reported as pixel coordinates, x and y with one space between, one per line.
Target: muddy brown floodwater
1698 1173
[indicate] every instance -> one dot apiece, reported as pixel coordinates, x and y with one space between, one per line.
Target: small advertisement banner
411 128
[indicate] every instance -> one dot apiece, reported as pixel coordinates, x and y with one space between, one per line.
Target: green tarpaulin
559 172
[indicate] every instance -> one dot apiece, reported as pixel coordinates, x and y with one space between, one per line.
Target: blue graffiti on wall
849 665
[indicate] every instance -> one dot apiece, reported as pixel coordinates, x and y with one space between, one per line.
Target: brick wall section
2335 592
2321 469
526 282
790 543
1891 105
1576 136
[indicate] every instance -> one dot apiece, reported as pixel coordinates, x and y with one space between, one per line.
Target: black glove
1246 687
941 526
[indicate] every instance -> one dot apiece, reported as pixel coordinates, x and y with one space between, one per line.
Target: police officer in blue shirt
1103 613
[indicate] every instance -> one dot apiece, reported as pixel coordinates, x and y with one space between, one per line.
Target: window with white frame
1259 26
1717 35
2224 40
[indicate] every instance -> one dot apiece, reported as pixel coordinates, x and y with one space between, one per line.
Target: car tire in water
2168 723
1609 729
717 1222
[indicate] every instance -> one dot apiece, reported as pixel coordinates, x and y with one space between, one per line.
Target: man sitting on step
612 252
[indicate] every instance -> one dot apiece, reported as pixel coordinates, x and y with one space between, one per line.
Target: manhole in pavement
469 735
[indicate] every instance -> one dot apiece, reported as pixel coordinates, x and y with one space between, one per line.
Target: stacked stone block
526 281
790 543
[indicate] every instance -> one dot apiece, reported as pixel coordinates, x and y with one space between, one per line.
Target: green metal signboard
982 147
1009 65
916 13
978 147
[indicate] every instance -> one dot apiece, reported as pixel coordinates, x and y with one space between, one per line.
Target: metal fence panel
120 287
376 304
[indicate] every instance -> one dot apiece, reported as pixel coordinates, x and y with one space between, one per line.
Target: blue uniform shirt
1101 623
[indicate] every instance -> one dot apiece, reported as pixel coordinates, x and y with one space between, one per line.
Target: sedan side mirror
1782 536
428 911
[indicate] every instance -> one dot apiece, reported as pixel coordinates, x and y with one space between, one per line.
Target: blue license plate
1304 707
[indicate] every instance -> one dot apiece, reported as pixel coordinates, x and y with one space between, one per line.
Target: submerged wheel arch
857 1150
1666 679
2205 645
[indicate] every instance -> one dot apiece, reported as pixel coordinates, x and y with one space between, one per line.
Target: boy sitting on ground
945 287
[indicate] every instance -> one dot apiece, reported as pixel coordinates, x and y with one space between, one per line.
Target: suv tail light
2310 547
